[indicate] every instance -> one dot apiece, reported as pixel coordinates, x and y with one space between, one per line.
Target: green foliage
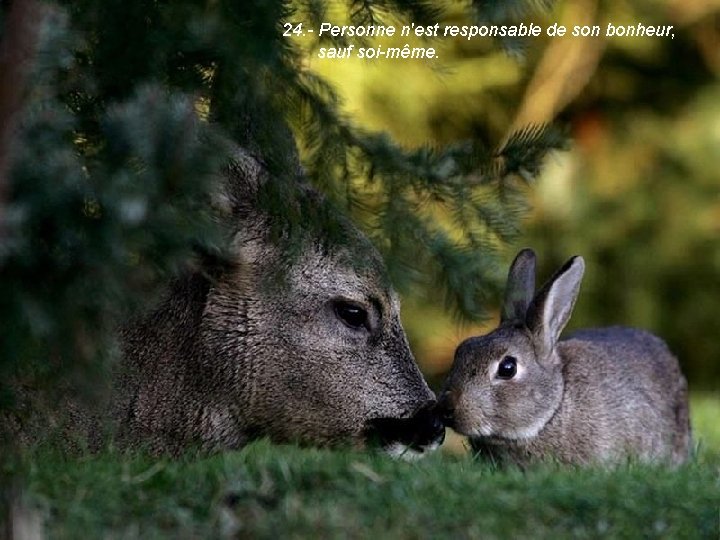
525 150
95 222
234 59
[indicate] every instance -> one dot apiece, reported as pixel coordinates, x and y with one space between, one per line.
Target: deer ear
239 185
520 287
551 308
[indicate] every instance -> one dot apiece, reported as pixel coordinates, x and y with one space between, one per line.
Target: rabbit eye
507 368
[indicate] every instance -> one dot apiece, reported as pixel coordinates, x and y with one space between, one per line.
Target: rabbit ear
551 308
520 287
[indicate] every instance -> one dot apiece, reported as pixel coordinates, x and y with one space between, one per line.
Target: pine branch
525 150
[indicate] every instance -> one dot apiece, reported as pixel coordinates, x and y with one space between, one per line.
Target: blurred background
638 191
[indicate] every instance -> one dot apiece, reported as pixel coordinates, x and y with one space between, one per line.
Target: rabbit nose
446 409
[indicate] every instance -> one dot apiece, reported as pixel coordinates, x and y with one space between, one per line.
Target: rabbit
604 395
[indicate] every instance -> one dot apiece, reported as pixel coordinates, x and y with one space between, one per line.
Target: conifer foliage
129 109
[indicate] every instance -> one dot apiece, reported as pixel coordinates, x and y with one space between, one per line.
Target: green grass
267 491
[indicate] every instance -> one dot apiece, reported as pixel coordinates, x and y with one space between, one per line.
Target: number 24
290 30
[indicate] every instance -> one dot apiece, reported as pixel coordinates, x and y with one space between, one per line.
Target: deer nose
429 428
446 409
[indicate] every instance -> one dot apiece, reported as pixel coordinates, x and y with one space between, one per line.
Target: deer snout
421 433
429 427
446 408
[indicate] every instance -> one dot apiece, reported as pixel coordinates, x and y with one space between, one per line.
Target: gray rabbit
603 395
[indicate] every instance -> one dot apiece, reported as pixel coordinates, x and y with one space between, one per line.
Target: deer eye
352 315
507 368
